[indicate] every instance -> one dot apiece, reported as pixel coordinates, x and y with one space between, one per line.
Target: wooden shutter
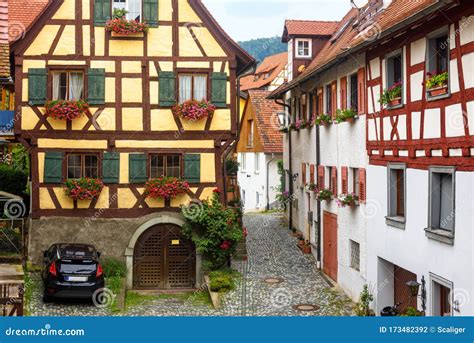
361 90
96 86
343 92
362 186
167 88
321 185
53 167
334 98
111 167
344 179
192 168
303 173
311 174
219 89
102 12
334 181
320 101
150 12
37 81
137 168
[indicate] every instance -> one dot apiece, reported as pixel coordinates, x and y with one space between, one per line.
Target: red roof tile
308 28
266 114
272 64
22 14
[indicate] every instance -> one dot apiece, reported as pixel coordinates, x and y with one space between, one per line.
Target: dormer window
303 48
132 8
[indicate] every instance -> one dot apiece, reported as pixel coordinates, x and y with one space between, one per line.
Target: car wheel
47 298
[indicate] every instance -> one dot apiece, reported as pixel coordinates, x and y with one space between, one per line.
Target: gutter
268 181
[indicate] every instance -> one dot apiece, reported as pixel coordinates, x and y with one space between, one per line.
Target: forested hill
262 47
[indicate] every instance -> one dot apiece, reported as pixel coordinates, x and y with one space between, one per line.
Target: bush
222 281
114 268
12 180
232 166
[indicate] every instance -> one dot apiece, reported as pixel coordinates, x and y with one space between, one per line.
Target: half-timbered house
128 132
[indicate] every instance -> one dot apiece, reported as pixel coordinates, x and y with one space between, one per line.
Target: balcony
6 122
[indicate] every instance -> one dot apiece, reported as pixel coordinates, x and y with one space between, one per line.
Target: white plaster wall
410 248
252 181
273 176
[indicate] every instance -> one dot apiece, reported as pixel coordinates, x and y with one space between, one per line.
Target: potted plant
344 115
66 109
437 84
120 26
325 194
165 188
323 119
362 308
311 187
83 189
193 110
301 241
344 200
306 248
392 96
295 232
300 124
412 312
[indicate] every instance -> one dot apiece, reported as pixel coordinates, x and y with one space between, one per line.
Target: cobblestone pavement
272 253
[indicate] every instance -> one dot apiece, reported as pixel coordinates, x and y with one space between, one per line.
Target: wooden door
163 259
401 290
330 245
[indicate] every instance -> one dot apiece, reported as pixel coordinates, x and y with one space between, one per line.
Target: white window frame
441 282
257 163
353 176
297 50
351 256
393 219
258 203
127 8
243 162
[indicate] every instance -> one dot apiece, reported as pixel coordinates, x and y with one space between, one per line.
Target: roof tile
273 64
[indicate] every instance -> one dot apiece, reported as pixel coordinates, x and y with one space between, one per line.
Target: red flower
217 191
225 245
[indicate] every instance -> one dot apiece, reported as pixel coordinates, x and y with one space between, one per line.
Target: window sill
440 235
397 222
439 97
395 107
133 36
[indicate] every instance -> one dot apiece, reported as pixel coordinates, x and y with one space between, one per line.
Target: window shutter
320 101
53 167
303 174
111 167
321 185
137 165
102 12
362 186
192 168
37 80
150 12
344 179
96 86
343 92
334 98
311 174
334 181
361 90
219 89
167 88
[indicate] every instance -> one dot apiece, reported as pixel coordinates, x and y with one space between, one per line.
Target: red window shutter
361 90
334 181
311 174
344 179
343 92
303 173
334 98
321 185
362 186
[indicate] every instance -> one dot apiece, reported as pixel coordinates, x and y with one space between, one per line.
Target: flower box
323 119
344 200
124 27
395 102
193 110
325 194
133 35
83 189
305 249
165 188
345 115
392 96
66 109
437 91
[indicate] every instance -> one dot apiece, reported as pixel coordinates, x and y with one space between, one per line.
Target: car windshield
77 252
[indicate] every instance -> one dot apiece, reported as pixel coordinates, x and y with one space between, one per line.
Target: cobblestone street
272 253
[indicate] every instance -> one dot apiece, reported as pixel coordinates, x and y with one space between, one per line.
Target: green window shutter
137 168
96 86
111 167
53 167
150 12
102 12
192 168
219 89
167 90
37 80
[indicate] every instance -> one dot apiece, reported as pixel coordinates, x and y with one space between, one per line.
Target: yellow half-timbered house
128 133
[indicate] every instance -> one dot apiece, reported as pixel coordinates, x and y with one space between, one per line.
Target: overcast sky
247 19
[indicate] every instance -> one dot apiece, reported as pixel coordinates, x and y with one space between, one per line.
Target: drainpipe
268 181
318 203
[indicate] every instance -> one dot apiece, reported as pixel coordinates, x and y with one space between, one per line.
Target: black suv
71 271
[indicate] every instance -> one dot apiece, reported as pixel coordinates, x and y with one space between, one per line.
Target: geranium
217 190
83 189
323 119
194 110
300 124
392 93
225 245
436 80
345 114
165 188
344 200
123 26
66 109
324 194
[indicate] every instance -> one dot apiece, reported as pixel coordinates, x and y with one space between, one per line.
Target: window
355 255
68 85
394 70
354 94
329 179
133 8
250 133
396 195
192 87
257 163
257 199
355 181
82 165
165 165
438 54
441 200
328 100
243 163
441 298
303 48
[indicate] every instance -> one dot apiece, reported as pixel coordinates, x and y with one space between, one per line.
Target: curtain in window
56 85
76 86
184 88
134 9
200 87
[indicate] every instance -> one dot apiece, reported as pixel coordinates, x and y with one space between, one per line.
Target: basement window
68 85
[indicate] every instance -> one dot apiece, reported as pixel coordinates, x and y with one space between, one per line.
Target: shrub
114 268
222 280
232 166
12 180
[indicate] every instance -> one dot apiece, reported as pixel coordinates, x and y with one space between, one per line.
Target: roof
308 28
22 14
272 64
266 118
348 40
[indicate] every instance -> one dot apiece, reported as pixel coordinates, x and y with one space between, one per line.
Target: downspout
318 203
268 181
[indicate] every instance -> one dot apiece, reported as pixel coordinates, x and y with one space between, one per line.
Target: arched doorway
164 259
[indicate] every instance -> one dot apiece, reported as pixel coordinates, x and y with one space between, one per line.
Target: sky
247 19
